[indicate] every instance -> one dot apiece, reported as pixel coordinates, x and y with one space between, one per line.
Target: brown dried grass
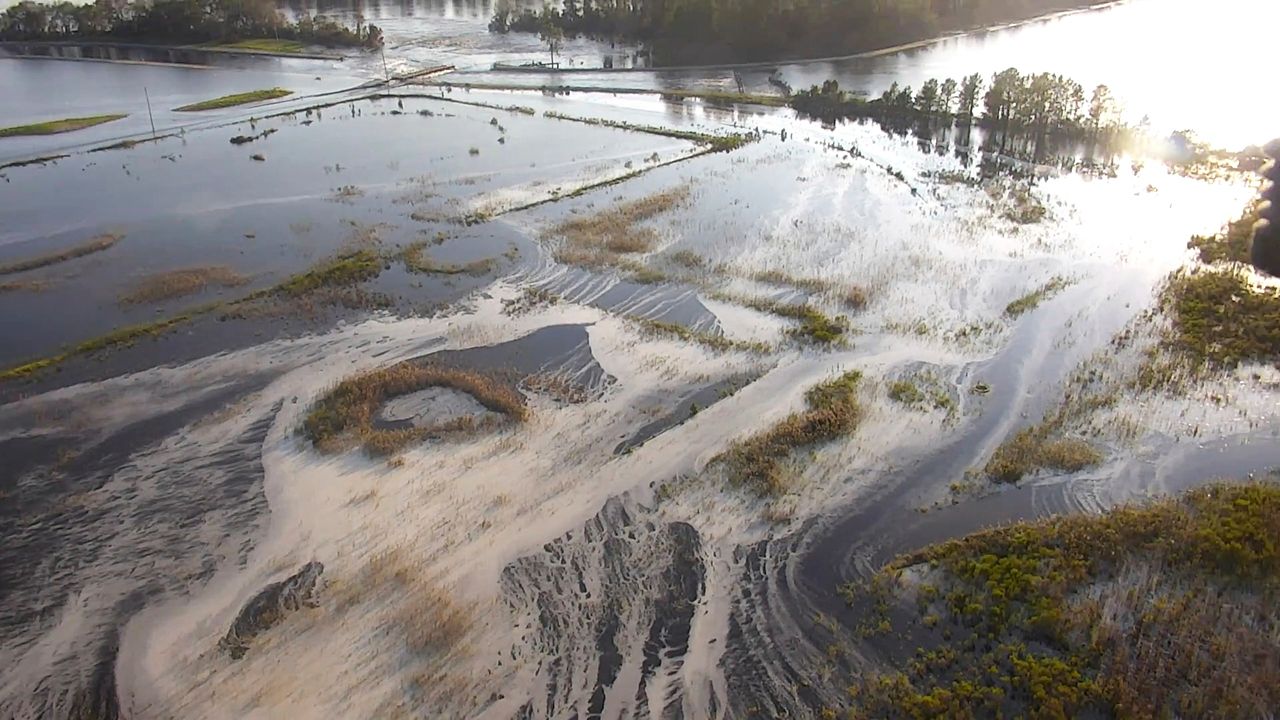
179 283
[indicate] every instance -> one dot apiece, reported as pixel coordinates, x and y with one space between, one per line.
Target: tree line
688 31
1039 104
185 21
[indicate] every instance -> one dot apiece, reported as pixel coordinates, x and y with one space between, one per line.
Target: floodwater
594 560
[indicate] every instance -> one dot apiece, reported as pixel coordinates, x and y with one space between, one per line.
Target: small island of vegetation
224 23
55 127
243 98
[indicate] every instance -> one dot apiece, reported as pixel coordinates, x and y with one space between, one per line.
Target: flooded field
421 401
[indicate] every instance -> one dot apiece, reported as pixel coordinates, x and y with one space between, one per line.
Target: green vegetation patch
1032 300
922 391
237 99
815 327
706 339
54 127
1034 448
97 244
1220 318
347 269
345 415
416 260
271 45
1144 612
759 462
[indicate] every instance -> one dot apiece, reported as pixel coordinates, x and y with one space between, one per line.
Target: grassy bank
345 416
237 99
172 284
760 461
97 244
269 45
1144 612
54 127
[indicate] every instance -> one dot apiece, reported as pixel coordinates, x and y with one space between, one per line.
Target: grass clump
1143 612
346 269
55 127
415 259
600 240
758 462
1032 449
178 283
922 391
1220 319
706 339
97 244
1032 300
236 99
346 413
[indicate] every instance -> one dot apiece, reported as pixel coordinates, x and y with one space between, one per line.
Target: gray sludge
605 614
270 606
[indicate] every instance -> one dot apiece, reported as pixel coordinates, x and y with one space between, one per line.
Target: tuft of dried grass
557 387
599 240
97 244
758 462
179 283
345 414
1032 449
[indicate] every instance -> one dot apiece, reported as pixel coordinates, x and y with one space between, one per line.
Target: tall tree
969 89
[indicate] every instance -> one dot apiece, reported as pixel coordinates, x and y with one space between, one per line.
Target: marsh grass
1032 300
55 127
1163 610
416 260
1032 449
332 281
346 269
236 99
1219 318
558 387
97 244
759 462
345 415
266 45
922 391
601 239
179 283
706 339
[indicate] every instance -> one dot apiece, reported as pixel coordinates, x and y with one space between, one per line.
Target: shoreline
781 62
7 45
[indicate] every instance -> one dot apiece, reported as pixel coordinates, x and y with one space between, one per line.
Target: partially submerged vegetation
54 127
179 283
759 462
243 98
1032 300
345 415
333 275
1036 448
1233 244
1143 612
97 244
601 239
1220 318
710 340
416 260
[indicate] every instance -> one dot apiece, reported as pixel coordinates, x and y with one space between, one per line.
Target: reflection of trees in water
469 9
1001 153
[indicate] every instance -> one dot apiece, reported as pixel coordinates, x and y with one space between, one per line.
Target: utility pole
385 72
150 117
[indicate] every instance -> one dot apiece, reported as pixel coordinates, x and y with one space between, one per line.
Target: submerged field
368 409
